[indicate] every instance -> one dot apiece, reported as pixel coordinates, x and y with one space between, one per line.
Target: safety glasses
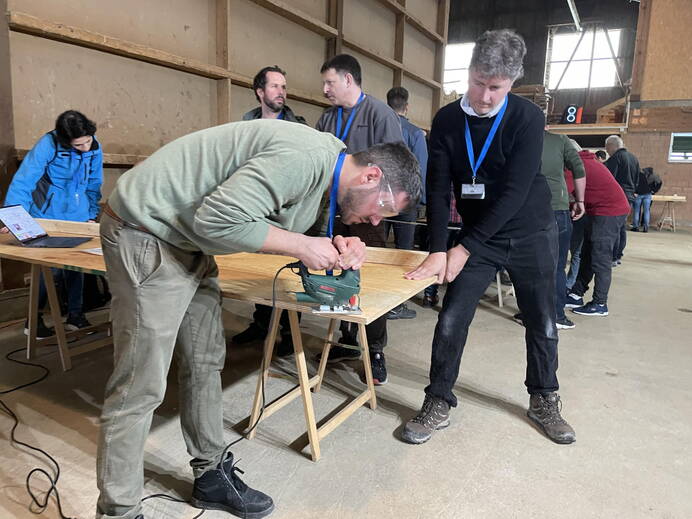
386 203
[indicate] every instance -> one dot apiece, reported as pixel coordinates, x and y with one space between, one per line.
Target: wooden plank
374 55
223 12
284 400
109 159
668 198
367 367
431 83
660 119
65 227
22 22
399 47
442 29
289 12
393 6
341 416
335 15
587 129
640 44
54 305
325 352
223 101
417 24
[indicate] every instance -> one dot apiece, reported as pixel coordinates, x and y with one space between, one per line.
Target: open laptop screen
20 223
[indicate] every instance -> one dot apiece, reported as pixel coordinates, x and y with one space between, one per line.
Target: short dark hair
399 165
397 98
260 80
343 63
601 154
71 125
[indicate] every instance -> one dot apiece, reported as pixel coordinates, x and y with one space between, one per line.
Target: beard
354 199
276 104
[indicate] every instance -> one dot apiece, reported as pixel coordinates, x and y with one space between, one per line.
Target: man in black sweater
489 147
624 166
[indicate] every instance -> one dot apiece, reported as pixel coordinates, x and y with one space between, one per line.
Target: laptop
30 233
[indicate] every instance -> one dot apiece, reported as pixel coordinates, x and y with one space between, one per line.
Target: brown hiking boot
433 415
544 410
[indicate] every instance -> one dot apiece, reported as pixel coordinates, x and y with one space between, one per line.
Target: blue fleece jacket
58 183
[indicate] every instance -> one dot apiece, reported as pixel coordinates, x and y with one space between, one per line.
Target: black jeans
403 232
600 235
262 317
531 261
564 229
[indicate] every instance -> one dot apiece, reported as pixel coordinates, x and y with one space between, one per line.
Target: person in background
414 138
601 156
606 210
60 179
269 85
648 185
359 120
625 168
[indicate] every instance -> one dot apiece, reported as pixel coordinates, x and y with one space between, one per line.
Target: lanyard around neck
475 164
340 113
281 115
333 205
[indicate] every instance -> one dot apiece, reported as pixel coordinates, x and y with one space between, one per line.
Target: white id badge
476 191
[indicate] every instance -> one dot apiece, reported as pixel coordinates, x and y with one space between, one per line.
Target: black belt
109 211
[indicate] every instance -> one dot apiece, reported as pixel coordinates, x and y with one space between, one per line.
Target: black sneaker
645 229
250 334
430 301
340 353
634 229
222 489
42 331
544 410
379 368
564 324
434 415
76 322
401 312
518 318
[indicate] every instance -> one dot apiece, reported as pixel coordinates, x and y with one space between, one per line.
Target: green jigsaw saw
330 294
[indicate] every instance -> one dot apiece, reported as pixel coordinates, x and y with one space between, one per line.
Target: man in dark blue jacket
60 178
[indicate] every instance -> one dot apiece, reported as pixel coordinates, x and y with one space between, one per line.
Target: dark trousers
73 283
564 234
403 232
531 261
621 239
372 236
600 236
575 243
262 316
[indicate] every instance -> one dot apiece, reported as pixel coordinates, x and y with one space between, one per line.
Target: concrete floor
626 387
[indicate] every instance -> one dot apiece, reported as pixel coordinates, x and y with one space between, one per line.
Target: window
457 60
680 147
592 53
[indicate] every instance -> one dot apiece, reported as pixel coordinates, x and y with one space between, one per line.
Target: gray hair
499 54
399 165
615 139
576 145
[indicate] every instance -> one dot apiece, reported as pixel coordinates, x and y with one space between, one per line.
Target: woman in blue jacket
60 178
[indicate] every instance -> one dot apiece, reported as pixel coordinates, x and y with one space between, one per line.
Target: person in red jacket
606 211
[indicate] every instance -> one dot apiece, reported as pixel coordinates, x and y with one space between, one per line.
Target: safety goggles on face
386 203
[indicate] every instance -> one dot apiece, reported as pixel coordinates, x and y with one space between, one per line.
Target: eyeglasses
386 203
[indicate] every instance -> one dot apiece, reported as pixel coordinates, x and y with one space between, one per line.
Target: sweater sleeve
572 160
438 186
236 214
31 170
387 127
522 166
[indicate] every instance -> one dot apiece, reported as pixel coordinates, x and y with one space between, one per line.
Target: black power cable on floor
41 505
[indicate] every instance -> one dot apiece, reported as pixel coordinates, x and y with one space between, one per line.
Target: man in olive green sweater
240 187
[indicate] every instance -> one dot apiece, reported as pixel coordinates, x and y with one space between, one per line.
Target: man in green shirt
559 154
240 187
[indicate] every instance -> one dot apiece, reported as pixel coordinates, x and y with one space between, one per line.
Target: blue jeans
74 286
564 233
641 202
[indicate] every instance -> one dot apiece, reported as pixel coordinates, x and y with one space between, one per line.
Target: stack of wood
612 113
534 93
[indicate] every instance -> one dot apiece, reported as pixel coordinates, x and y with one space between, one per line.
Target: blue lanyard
475 164
342 136
281 115
333 194
333 197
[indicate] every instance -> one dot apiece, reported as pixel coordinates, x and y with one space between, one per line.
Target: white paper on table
96 251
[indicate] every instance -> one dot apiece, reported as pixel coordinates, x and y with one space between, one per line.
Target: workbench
668 211
244 277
